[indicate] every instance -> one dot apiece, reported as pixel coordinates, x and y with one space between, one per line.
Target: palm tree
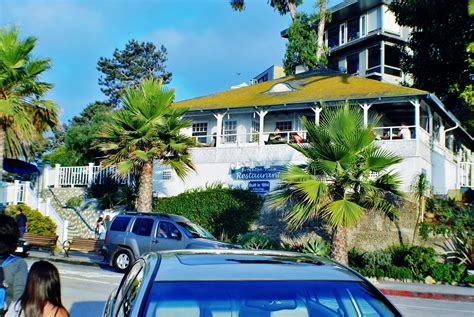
24 115
147 128
421 190
345 176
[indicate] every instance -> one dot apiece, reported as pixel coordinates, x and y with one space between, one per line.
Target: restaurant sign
259 187
257 173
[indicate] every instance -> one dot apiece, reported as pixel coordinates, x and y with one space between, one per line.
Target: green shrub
255 240
376 260
398 252
447 273
220 210
468 279
37 223
399 272
74 202
355 258
316 247
378 273
420 260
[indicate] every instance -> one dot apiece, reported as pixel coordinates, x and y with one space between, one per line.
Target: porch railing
393 132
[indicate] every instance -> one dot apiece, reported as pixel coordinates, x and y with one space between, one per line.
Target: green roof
306 88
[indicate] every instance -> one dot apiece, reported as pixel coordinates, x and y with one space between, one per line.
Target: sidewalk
427 291
76 257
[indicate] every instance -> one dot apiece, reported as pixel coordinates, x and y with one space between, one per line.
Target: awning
15 166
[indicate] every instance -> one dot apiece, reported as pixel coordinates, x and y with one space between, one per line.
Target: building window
255 131
352 62
284 126
373 57
363 25
166 175
392 60
230 131
200 132
342 34
333 37
262 78
353 29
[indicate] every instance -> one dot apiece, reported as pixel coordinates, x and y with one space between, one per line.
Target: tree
147 129
437 54
337 183
130 66
24 114
282 6
420 189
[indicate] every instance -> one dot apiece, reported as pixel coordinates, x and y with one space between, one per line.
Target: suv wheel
123 258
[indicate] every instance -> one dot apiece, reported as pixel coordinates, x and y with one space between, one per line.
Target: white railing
17 192
71 176
392 133
466 174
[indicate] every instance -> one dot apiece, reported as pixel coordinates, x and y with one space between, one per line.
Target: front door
168 237
141 232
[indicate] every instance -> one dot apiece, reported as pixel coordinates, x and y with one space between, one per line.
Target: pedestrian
107 222
21 220
13 270
42 295
99 222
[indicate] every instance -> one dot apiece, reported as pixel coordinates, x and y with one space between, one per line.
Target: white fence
466 174
17 192
71 176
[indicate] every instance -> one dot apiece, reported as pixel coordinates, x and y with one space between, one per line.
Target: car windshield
192 230
265 298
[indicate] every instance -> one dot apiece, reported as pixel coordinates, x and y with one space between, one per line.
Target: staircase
82 219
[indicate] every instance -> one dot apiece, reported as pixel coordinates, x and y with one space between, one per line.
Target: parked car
132 234
225 283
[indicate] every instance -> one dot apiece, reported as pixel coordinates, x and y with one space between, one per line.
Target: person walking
21 220
42 295
13 271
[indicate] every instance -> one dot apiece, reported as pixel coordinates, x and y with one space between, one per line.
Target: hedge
37 223
225 212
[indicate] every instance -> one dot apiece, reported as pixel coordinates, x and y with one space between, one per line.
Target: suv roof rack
141 213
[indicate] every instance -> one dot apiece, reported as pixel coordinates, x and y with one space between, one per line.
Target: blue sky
208 43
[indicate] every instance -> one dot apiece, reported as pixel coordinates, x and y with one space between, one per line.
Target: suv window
142 226
168 230
120 224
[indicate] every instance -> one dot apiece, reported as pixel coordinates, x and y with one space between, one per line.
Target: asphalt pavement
85 290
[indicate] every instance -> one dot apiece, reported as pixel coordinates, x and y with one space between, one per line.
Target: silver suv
132 234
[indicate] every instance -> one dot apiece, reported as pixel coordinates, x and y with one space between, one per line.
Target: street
86 288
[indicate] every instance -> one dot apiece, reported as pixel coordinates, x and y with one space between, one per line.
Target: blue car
240 283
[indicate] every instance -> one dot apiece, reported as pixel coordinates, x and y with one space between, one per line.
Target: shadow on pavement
89 309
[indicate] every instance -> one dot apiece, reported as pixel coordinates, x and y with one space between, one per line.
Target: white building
362 38
233 127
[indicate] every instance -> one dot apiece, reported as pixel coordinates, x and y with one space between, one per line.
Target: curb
65 260
428 295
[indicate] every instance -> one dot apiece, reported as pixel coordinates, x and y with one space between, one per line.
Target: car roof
176 218
225 265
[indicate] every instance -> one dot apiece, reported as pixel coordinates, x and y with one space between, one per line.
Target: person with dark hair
21 220
13 269
42 295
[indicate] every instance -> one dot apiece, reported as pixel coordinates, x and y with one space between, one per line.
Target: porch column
416 104
219 117
16 190
365 107
90 174
57 174
261 115
317 114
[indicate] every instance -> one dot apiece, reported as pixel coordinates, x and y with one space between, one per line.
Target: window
333 37
342 34
120 224
353 29
284 125
262 79
255 131
373 56
200 132
129 289
392 60
143 226
167 175
167 230
363 25
230 131
352 63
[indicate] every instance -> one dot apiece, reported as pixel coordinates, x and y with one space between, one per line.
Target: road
85 290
